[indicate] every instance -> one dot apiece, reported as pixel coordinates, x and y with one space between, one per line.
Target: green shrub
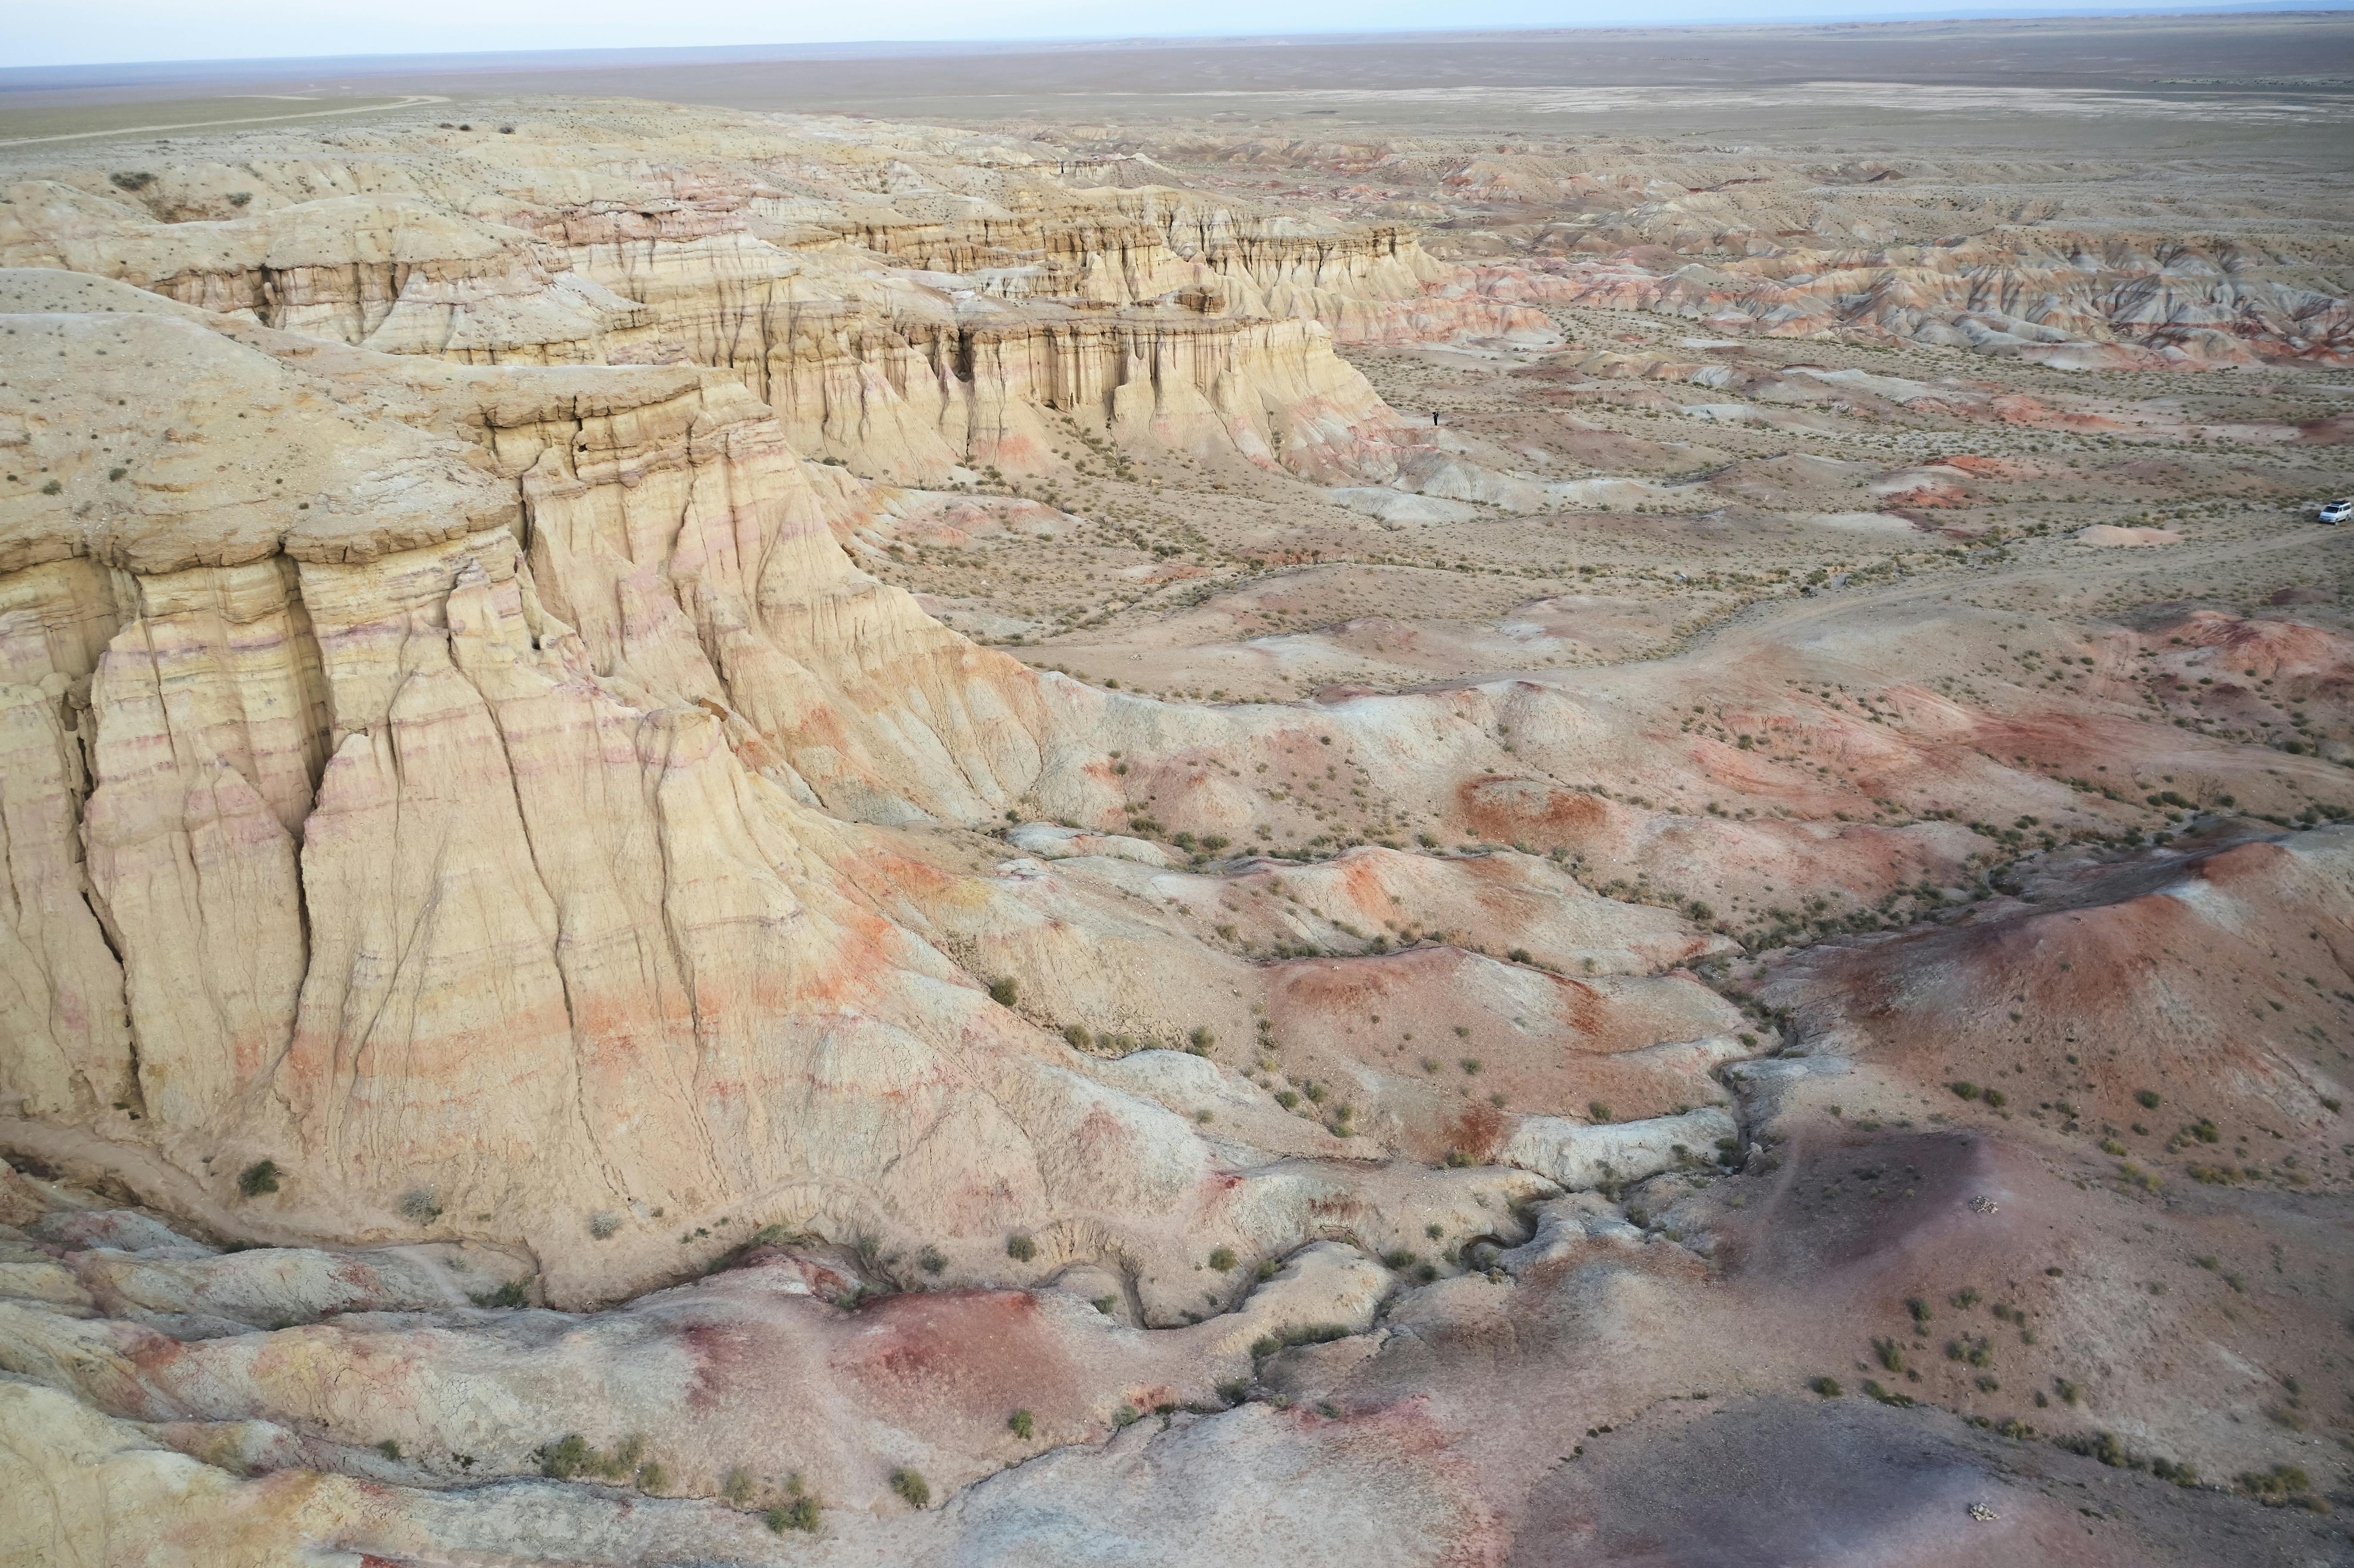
1021 1425
1963 1089
511 1294
1266 1345
912 1488
1221 1259
929 1260
1828 1387
388 1448
1889 1353
2146 1098
1002 991
1077 1033
257 1178
802 1514
1020 1247
2280 1480
569 1459
738 1487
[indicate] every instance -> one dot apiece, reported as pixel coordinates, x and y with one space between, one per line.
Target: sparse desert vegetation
1144 780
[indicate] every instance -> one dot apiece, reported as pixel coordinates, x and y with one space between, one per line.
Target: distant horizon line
128 73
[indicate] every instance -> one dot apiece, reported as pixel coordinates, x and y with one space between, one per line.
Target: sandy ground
1859 594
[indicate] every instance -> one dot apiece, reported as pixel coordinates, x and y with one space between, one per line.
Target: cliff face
936 322
470 788
546 1015
1947 255
2074 311
451 783
396 275
909 388
368 802
1365 283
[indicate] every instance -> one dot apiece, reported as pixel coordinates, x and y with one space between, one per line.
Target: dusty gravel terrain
1573 800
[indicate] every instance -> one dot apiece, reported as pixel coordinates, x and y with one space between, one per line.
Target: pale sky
66 32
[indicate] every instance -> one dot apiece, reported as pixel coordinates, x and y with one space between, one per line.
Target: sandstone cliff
551 1015
452 784
934 322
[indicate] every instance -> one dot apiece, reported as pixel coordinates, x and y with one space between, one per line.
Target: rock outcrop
910 320
2076 310
462 788
553 1012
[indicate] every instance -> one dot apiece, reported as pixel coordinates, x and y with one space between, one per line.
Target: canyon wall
417 848
469 790
934 325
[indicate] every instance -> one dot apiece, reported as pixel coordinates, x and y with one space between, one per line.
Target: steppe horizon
892 45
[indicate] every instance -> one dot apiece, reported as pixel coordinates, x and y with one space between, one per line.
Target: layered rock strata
455 786
940 323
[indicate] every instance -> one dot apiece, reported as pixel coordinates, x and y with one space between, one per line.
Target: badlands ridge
557 1013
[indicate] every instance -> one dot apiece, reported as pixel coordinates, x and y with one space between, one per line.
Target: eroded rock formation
909 312
552 1013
